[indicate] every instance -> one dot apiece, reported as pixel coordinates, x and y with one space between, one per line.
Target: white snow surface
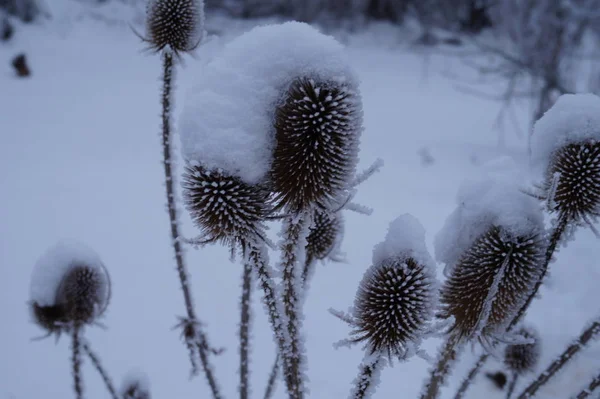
228 116
494 198
52 266
574 118
405 237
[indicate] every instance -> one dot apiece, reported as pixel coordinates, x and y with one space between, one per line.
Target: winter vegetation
263 158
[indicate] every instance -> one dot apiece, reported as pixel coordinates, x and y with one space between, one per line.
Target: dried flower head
572 181
317 131
175 24
135 386
393 306
523 358
224 207
70 285
490 281
324 235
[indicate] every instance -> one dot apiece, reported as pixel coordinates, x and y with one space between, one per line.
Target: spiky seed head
393 305
81 294
52 318
317 130
490 281
573 181
175 24
224 207
523 358
323 235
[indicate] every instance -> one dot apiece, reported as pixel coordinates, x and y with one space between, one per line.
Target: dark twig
363 384
98 365
168 162
76 361
245 330
512 385
590 388
442 369
471 376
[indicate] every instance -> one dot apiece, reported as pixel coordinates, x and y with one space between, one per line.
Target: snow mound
493 198
228 117
53 265
405 237
574 118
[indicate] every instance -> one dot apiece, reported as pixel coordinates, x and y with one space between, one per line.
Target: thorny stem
245 330
257 255
293 243
436 379
363 384
512 385
555 238
98 365
172 210
590 388
76 361
588 334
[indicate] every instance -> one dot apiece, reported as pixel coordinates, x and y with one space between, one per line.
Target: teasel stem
98 365
363 384
245 321
471 376
293 244
307 273
512 385
444 364
591 332
257 256
76 361
554 240
168 162
590 388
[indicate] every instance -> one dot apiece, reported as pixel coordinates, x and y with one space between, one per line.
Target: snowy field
80 158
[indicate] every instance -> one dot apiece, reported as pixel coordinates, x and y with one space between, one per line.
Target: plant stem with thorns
442 369
512 385
471 376
98 365
168 162
590 388
245 330
588 334
76 361
364 381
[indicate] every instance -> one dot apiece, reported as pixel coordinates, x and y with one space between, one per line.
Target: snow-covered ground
80 158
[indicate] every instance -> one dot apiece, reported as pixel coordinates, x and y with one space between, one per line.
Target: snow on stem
512 385
245 321
446 359
76 361
293 247
272 382
98 366
471 376
168 162
590 333
590 388
364 385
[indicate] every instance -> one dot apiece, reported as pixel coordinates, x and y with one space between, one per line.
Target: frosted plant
589 389
135 386
70 289
493 245
323 240
394 303
174 25
521 359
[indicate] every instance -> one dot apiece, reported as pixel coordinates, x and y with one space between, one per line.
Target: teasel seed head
572 181
523 358
490 281
174 24
224 207
317 132
135 386
324 235
70 285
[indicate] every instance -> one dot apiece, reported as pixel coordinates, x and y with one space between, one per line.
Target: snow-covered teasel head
135 386
176 25
69 285
397 296
566 148
229 120
224 207
493 245
523 358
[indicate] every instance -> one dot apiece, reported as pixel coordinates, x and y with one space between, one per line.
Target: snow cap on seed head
523 358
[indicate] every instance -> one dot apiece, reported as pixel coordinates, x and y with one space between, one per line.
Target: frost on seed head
523 358
228 119
69 284
494 198
177 25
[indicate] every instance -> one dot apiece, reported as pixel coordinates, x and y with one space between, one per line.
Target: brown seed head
490 281
317 131
175 24
393 305
224 207
523 358
323 235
